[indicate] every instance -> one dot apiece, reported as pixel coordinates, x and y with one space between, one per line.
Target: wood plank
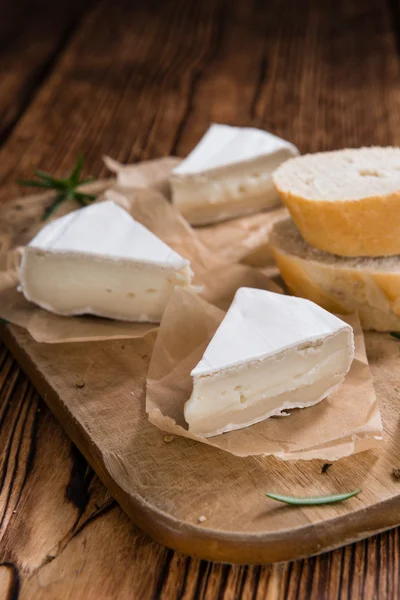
322 78
122 88
33 35
359 118
144 102
51 502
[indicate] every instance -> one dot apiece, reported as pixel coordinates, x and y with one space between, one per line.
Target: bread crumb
80 384
396 473
202 518
325 467
168 438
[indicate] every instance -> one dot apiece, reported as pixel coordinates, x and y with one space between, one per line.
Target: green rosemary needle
66 189
313 500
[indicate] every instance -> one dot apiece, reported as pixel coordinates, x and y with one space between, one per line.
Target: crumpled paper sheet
244 240
217 279
149 174
346 422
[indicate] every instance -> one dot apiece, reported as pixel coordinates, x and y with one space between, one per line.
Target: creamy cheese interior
297 377
72 284
228 191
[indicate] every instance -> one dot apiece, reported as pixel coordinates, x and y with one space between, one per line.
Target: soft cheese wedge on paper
228 174
270 353
98 260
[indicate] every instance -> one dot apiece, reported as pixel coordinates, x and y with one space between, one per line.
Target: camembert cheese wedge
270 353
98 260
228 174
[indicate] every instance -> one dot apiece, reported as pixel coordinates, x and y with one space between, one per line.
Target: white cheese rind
228 174
99 260
106 230
223 145
270 353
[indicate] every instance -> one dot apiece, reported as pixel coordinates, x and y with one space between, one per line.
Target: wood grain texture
32 36
141 81
144 81
54 549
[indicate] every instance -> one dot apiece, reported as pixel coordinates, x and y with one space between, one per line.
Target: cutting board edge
214 545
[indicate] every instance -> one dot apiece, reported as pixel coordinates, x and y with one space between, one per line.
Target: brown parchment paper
346 422
215 278
244 240
149 174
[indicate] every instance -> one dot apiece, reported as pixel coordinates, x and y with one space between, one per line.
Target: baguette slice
370 286
345 202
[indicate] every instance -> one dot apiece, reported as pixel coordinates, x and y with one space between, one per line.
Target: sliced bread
345 202
370 286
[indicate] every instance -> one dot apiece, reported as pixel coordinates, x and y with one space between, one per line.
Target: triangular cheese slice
99 260
270 353
229 173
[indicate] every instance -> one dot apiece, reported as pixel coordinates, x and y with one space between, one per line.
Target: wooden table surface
138 80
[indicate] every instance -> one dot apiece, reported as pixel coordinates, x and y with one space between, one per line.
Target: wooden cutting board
166 486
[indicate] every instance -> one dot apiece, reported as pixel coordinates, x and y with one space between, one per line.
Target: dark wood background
142 79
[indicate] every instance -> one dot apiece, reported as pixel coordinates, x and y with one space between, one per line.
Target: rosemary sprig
66 188
314 500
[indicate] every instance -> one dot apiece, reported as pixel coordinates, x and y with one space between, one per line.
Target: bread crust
374 295
366 227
